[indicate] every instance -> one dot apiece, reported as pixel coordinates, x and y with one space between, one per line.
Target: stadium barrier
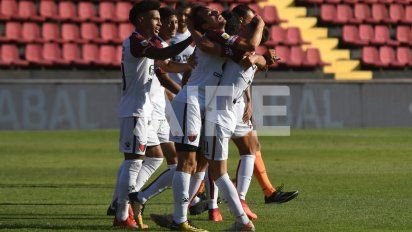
50 104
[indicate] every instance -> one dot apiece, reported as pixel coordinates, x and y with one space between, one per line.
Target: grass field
349 180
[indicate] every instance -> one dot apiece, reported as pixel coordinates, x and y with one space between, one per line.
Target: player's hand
247 115
272 56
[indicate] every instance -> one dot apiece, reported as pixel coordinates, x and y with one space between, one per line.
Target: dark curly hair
141 8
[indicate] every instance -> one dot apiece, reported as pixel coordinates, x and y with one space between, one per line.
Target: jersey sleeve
157 42
228 43
139 45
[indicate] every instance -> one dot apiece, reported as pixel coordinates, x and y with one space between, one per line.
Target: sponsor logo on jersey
232 40
192 138
225 36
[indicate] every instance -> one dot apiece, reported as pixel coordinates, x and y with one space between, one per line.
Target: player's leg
217 154
197 205
212 192
272 195
242 137
111 210
133 140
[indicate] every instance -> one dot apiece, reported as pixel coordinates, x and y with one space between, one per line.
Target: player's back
137 74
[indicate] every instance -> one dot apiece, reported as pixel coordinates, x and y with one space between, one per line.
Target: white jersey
157 94
137 75
208 71
183 56
234 82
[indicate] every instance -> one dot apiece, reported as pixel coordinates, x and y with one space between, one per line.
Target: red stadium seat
107 11
258 10
12 32
382 36
350 35
333 1
396 13
52 52
27 10
70 33
296 56
386 56
328 13
86 11
293 36
408 15
379 14
312 58
34 55
283 52
119 52
277 36
89 32
10 56
370 1
8 9
361 12
403 56
50 32
31 33
90 53
125 30
386 1
270 15
67 10
366 33
261 50
370 56
122 11
48 9
343 14
109 33
107 55
72 54
404 34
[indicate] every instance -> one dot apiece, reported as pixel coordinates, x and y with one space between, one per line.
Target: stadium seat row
68 54
29 32
358 1
366 34
363 13
296 57
386 57
288 36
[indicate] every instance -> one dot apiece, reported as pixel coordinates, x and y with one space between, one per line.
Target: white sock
244 174
150 165
181 182
127 183
116 188
212 192
163 182
229 192
195 182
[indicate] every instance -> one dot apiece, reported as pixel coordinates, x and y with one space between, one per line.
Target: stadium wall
49 104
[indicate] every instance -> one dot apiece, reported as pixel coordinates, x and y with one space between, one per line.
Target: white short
133 135
186 127
158 132
216 147
242 128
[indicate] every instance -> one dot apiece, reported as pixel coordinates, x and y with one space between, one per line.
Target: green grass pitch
349 180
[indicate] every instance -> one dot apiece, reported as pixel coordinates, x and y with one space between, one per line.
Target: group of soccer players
190 55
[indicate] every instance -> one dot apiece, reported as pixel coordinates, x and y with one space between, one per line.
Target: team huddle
176 66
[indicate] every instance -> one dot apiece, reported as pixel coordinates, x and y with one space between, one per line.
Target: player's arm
145 49
169 95
206 45
174 67
167 82
255 59
185 78
247 115
253 42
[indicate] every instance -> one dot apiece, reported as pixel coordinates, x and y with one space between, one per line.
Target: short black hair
141 8
198 21
181 5
241 10
166 12
232 22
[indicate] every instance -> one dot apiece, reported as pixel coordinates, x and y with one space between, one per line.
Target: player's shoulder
156 41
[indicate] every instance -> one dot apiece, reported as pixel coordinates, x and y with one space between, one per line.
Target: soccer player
159 129
183 12
135 108
272 195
